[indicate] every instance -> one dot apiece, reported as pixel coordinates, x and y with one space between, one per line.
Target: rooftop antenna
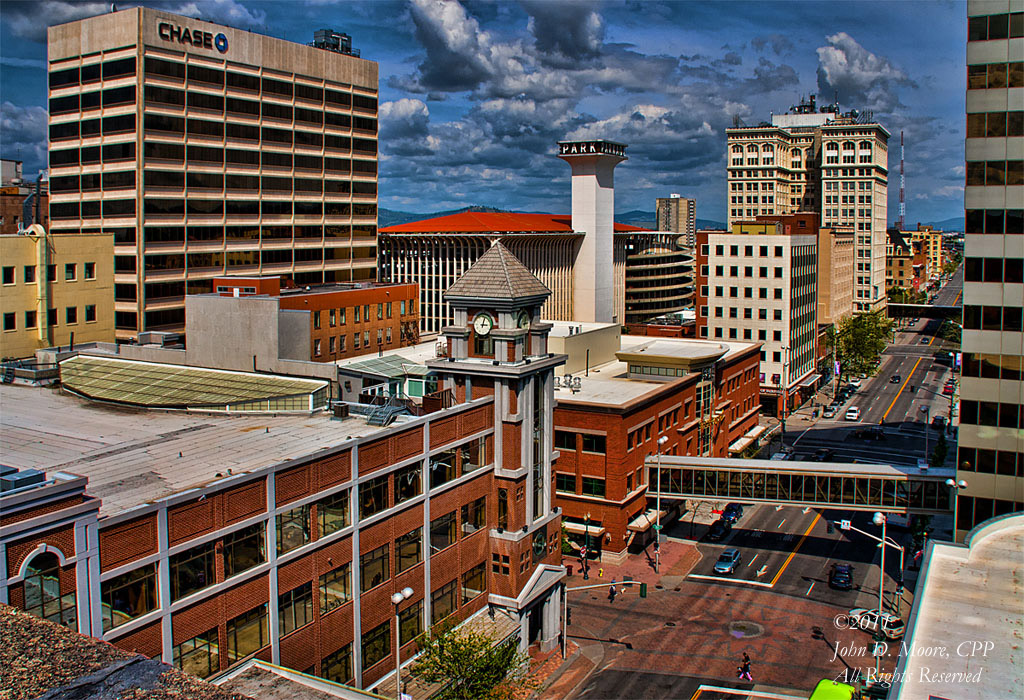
903 203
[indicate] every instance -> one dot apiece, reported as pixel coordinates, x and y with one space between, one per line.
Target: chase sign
193 37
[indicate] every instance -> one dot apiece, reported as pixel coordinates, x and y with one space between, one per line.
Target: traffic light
643 590
568 616
831 527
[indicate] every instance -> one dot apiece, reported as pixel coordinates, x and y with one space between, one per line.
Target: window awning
740 445
810 380
580 529
644 521
755 432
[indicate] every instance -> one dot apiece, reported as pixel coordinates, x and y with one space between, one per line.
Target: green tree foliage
950 331
566 547
950 266
940 451
902 295
859 341
471 665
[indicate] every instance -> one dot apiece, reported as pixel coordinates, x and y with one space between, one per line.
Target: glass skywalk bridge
871 487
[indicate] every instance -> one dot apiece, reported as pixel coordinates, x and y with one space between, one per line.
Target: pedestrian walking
612 592
744 670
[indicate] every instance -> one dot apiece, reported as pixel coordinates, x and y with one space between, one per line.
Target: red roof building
435 252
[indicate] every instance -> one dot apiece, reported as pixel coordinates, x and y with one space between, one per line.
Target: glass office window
474 582
192 570
442 602
199 656
247 633
374 567
244 549
128 596
409 550
373 497
408 482
335 588
295 608
292 529
474 515
376 645
442 532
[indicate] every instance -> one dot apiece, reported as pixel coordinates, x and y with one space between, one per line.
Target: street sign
845 524
657 527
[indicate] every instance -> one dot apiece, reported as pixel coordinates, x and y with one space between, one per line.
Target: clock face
524 319
482 324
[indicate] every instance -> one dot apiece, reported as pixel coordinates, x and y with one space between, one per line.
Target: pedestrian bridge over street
869 487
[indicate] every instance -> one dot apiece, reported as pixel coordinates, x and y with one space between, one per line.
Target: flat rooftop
969 604
609 383
135 456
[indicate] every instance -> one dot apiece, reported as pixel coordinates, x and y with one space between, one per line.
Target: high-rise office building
990 458
759 282
679 214
823 161
208 151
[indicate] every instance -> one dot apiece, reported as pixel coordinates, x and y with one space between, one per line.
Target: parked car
925 341
948 389
823 454
719 530
781 456
871 621
841 577
855 382
895 379
829 412
939 422
732 512
727 561
852 413
874 433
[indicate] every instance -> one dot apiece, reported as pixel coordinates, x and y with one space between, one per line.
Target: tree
950 331
859 341
952 264
940 451
902 295
566 547
472 665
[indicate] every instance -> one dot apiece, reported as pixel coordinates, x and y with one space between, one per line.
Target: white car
853 413
829 412
855 382
869 620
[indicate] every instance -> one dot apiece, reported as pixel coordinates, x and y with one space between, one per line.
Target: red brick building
209 539
346 319
700 395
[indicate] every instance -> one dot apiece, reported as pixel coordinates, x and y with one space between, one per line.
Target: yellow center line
796 549
909 377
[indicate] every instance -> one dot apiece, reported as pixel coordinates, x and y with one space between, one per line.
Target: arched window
752 148
737 149
768 148
832 146
847 145
865 145
42 592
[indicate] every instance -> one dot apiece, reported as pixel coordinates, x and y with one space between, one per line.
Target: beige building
54 288
990 459
679 214
206 151
931 241
761 285
835 274
833 164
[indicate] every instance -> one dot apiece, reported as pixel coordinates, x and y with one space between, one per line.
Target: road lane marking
751 562
780 524
905 382
721 579
762 570
809 589
797 548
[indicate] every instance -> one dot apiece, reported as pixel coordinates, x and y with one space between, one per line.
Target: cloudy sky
474 95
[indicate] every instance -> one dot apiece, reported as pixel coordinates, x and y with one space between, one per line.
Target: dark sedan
719 530
841 577
732 512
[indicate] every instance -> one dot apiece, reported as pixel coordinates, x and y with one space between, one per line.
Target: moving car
948 389
925 341
871 621
727 561
841 577
732 512
781 457
895 379
719 530
852 413
823 454
830 412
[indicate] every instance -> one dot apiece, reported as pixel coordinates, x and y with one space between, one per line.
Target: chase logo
221 42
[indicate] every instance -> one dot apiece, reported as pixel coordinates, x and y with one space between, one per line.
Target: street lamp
956 486
924 410
657 525
586 547
397 598
880 519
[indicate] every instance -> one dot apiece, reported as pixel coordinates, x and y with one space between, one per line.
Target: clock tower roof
499 276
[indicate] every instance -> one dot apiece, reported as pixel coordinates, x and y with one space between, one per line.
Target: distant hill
389 217
954 224
637 217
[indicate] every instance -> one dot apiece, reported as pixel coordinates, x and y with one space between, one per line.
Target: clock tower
498 346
